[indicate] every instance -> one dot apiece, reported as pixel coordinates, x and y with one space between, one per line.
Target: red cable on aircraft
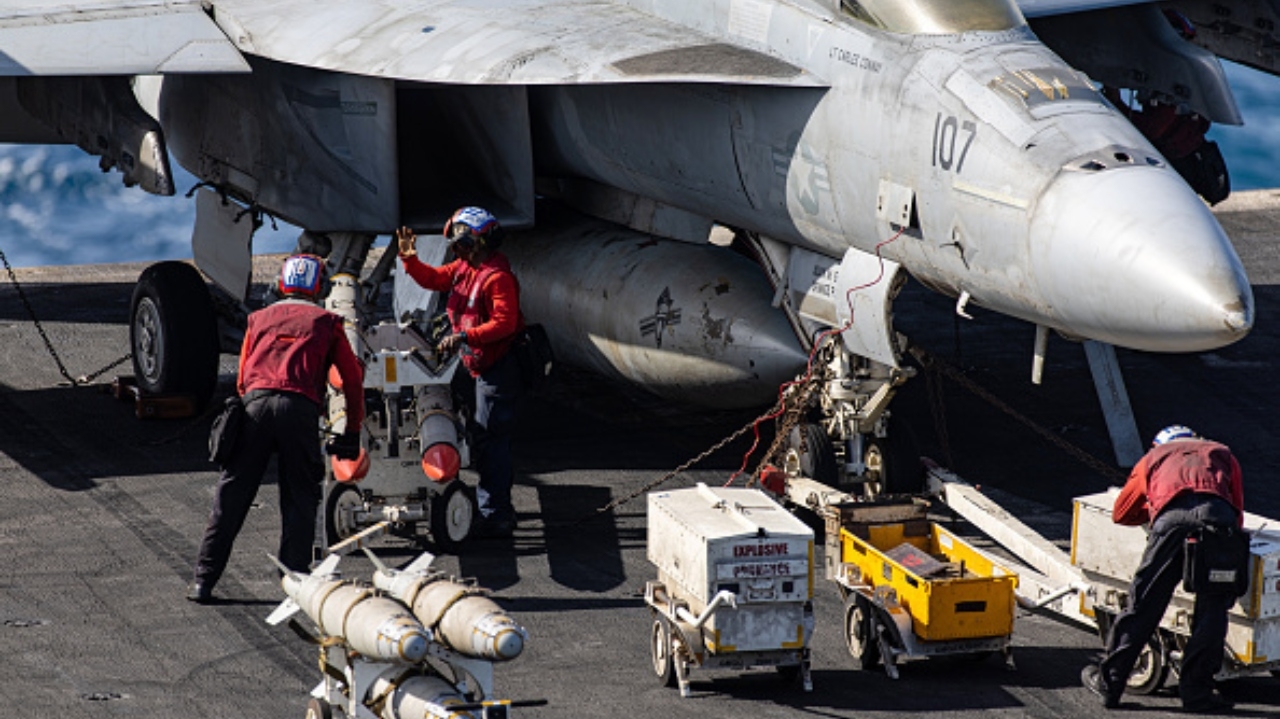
817 343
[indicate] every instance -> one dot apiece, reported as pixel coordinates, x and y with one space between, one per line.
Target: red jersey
1184 465
290 345
483 301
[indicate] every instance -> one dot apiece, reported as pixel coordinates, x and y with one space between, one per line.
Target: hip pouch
1216 560
226 426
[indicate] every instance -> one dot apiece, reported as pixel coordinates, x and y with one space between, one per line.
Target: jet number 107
946 132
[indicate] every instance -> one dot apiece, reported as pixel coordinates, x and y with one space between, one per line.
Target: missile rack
374 661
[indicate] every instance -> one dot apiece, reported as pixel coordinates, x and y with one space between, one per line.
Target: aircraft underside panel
526 42
464 146
702 148
1135 47
316 148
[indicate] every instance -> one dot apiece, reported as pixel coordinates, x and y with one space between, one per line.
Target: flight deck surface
102 513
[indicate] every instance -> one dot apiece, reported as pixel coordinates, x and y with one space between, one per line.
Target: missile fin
286 609
328 566
421 564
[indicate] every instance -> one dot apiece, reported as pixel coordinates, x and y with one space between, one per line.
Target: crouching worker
284 364
1184 486
484 311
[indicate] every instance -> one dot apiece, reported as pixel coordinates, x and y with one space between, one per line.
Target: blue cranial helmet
302 275
1172 432
471 223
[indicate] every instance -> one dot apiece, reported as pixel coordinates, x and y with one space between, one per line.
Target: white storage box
707 540
1109 553
1100 546
704 540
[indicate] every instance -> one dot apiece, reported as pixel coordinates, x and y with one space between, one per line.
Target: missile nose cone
509 643
1131 256
441 462
413 647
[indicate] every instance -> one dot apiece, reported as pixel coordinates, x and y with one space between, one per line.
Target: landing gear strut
849 439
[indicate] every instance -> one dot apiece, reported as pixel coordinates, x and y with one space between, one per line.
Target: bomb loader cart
416 446
1089 586
734 587
911 588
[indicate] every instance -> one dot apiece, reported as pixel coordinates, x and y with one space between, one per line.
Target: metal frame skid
679 640
366 689
413 643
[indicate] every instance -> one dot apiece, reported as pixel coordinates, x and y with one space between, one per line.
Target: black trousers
1153 585
286 425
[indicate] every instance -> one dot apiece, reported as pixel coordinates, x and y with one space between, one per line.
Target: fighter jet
836 146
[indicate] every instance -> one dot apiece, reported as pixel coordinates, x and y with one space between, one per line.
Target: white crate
705 539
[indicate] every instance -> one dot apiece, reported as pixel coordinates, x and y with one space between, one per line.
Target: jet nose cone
1131 256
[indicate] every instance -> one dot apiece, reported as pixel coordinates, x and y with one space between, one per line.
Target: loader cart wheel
858 636
1151 669
319 709
339 506
452 515
661 648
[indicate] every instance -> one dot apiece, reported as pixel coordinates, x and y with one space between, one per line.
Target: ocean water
58 208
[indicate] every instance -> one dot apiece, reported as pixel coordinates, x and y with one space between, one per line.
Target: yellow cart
912 589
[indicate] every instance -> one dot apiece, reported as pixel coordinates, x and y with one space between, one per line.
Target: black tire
173 332
341 496
319 709
1151 669
862 646
453 514
898 457
814 454
661 651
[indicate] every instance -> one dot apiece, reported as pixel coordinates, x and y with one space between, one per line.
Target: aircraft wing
125 37
512 42
1243 31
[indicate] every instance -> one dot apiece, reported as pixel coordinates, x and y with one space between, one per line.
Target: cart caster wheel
1151 669
319 709
339 507
858 636
453 513
661 649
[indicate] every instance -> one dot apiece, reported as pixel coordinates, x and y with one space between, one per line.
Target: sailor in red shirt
484 311
284 364
1181 485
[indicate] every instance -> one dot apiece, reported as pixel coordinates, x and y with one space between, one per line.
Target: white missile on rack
375 626
459 615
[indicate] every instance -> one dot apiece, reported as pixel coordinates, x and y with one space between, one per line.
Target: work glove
344 446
